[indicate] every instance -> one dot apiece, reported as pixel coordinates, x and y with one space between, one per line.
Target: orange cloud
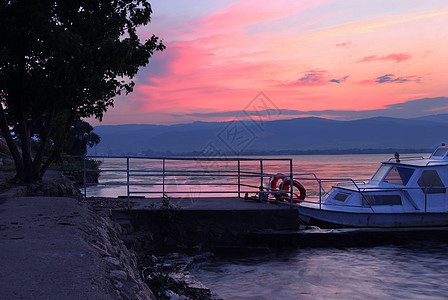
397 57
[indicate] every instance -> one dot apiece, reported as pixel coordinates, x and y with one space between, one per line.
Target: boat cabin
399 185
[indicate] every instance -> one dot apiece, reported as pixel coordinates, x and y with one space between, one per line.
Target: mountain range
292 136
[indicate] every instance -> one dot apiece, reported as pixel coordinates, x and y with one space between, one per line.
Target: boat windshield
394 175
398 175
379 174
440 152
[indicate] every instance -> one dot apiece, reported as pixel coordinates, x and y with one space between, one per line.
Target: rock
112 260
170 293
4 149
118 274
175 297
77 177
118 284
103 236
54 187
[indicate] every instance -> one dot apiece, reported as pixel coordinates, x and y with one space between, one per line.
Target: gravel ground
99 203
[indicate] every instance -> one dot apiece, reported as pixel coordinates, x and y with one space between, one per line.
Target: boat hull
336 219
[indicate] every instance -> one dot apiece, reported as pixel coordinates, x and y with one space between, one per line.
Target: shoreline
62 248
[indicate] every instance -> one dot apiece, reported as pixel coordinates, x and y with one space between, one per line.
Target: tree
61 61
80 136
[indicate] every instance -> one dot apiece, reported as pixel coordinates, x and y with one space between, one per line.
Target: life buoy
276 184
297 198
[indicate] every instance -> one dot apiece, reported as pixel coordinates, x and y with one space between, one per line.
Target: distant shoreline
390 151
339 151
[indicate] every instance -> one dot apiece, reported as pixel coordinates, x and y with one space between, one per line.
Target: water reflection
414 271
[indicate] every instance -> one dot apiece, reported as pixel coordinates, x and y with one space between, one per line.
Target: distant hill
435 118
273 137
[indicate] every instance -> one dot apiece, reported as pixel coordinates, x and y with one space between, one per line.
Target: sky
337 59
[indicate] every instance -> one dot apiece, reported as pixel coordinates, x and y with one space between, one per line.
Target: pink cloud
397 57
185 58
309 78
367 82
391 78
313 78
346 44
247 12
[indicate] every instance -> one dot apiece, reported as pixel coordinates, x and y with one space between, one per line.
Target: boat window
399 175
440 152
341 197
431 183
379 174
382 200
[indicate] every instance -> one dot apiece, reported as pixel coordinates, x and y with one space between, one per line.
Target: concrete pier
238 225
201 224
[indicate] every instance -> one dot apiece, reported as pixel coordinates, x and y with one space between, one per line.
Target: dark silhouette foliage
80 136
61 61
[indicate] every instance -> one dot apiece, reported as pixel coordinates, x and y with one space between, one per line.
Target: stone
170 293
112 260
118 284
118 274
175 297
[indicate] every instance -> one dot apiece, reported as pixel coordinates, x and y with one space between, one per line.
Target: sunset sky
343 59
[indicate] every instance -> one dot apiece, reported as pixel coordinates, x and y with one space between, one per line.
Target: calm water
416 271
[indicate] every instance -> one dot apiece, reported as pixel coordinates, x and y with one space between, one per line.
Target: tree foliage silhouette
80 136
61 61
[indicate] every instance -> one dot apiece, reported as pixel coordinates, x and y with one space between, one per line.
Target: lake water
415 271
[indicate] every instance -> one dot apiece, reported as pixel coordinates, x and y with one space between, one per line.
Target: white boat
406 192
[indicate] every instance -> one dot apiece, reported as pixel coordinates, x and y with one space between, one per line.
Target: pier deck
203 223
209 203
229 222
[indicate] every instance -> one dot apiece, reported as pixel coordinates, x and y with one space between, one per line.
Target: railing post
127 178
85 177
239 178
426 198
261 175
320 193
362 194
291 186
163 177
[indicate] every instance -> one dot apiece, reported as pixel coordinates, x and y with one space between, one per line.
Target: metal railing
351 185
405 158
185 176
199 176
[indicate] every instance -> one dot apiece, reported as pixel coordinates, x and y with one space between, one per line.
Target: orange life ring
275 186
298 198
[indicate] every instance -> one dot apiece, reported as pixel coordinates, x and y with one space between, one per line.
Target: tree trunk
17 157
26 170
